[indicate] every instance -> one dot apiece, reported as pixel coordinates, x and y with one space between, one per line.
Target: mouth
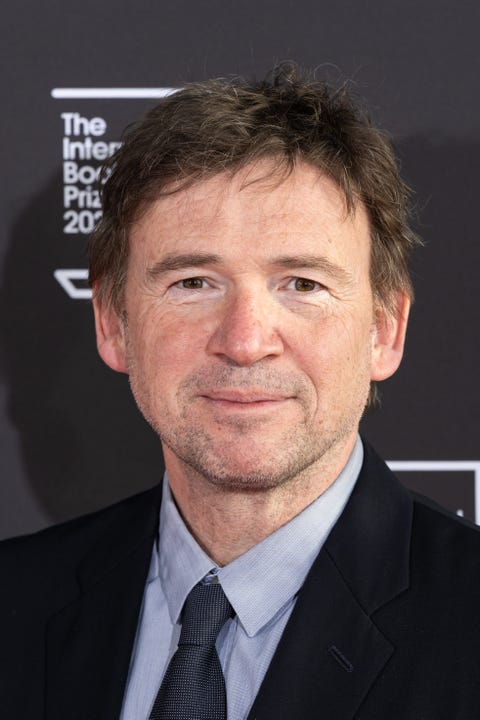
243 400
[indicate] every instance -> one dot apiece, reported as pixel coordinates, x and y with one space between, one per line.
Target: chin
247 482
251 477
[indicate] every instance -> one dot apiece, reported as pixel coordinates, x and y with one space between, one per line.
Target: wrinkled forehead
255 214
265 177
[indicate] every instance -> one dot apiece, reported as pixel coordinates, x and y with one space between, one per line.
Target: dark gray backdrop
71 438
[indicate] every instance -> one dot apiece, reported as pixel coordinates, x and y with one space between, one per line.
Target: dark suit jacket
386 626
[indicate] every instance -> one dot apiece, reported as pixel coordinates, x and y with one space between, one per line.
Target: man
250 275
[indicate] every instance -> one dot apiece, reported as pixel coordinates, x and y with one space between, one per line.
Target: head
209 287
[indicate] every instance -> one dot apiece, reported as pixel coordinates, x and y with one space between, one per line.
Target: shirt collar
263 580
181 561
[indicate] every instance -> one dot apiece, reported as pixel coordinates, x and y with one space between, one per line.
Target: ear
389 337
110 333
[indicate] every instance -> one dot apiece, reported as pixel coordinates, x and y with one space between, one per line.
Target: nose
247 331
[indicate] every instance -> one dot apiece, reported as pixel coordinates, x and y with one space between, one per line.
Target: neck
226 521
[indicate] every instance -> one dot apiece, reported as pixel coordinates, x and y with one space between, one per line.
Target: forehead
261 206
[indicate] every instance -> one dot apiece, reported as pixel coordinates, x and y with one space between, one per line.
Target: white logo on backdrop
110 93
438 466
84 148
66 278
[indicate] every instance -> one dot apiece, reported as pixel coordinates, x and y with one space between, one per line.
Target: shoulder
79 528
444 546
437 546
48 555
416 571
431 524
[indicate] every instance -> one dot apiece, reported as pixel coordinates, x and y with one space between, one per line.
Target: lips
243 397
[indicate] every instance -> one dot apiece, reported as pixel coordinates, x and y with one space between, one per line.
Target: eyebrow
314 262
175 261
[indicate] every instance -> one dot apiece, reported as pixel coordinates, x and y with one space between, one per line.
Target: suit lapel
89 642
331 651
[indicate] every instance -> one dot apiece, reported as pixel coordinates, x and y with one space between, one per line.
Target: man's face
251 335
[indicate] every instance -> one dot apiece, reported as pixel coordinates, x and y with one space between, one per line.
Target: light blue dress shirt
261 586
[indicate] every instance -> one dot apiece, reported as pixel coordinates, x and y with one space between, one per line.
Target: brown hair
222 125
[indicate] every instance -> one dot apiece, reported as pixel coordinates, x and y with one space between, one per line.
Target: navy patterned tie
193 687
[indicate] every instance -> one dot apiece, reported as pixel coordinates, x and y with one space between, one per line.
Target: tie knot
205 612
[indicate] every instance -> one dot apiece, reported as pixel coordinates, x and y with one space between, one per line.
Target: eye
305 285
194 283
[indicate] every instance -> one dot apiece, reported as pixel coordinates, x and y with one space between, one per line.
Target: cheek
337 353
164 348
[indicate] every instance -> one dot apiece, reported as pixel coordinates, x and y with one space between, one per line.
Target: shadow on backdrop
84 444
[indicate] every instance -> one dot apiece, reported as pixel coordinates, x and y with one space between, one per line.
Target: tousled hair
223 125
